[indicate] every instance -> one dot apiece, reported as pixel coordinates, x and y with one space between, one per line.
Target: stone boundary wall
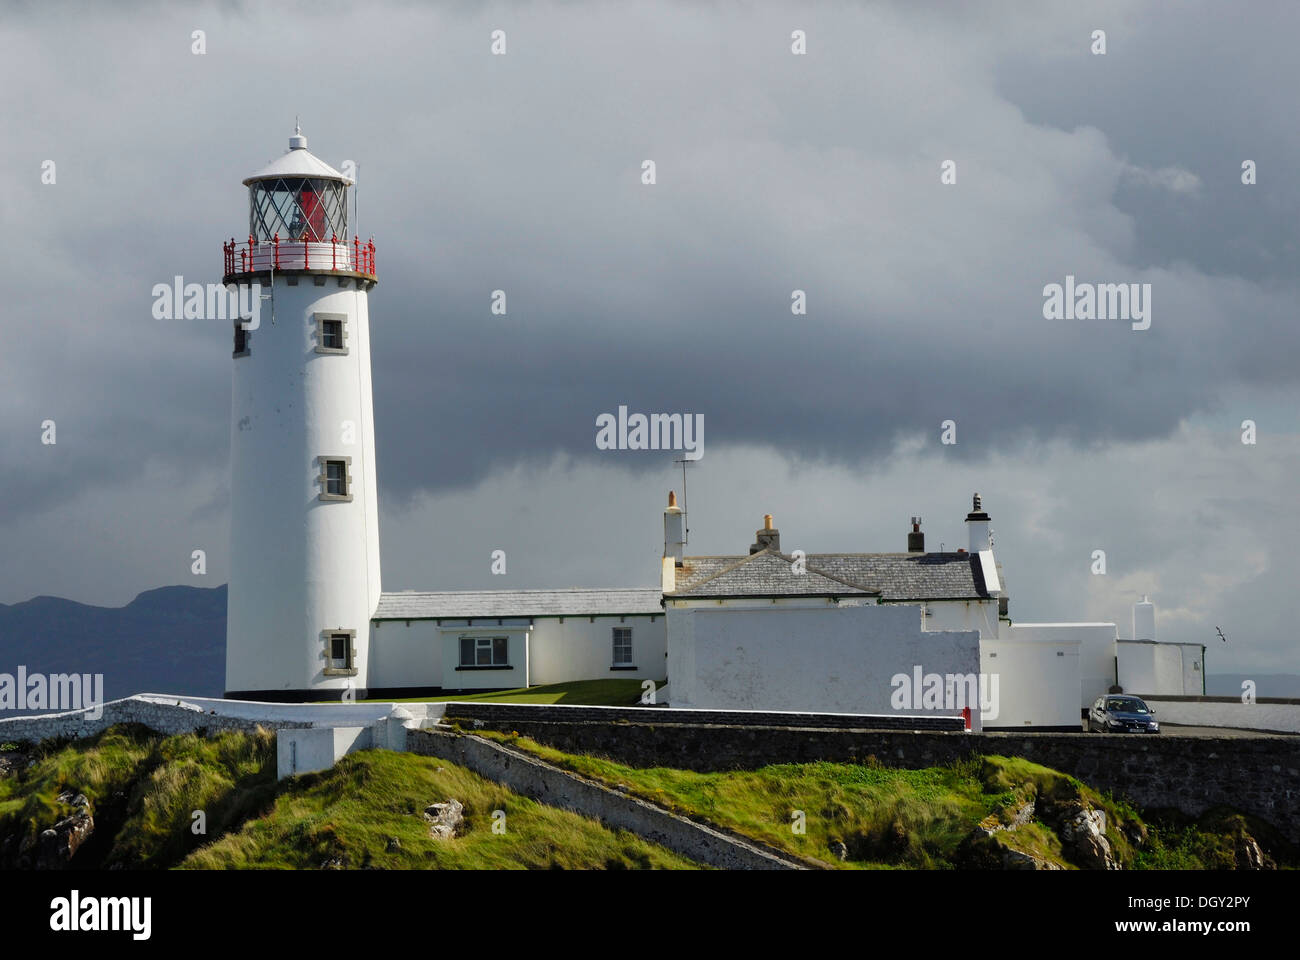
500 713
1259 775
531 777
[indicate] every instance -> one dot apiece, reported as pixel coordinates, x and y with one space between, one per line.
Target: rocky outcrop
53 848
444 818
1083 834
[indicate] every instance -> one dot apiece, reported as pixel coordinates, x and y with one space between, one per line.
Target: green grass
888 817
587 693
348 816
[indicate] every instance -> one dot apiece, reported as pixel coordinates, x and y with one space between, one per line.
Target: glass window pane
499 651
466 651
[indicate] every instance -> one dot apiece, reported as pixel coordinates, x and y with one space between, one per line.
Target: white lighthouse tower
304 538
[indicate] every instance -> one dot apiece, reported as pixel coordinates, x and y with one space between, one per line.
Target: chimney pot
672 498
767 521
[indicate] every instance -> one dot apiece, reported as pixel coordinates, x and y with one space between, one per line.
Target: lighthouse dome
298 162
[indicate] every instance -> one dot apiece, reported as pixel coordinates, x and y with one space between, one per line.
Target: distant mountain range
173 640
169 640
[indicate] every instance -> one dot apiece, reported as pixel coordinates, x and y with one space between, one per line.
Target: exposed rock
1083 833
839 849
57 846
1135 832
1019 860
994 823
1250 856
444 818
394 844
334 863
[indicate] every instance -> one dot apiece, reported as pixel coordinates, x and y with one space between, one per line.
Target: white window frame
332 669
630 661
484 642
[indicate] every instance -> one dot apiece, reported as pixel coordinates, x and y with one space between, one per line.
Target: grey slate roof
890 576
465 604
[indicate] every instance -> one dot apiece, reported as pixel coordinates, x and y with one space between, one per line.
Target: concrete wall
1273 714
1096 644
828 659
1037 682
1148 667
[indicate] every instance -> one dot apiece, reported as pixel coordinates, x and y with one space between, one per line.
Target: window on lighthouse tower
335 479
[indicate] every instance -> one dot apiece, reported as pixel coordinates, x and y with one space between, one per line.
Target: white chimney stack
1144 619
977 525
674 542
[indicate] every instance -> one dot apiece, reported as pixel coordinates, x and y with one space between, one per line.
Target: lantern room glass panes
298 208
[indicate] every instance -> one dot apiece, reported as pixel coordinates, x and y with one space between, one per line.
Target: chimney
674 530
768 537
1144 619
916 539
977 525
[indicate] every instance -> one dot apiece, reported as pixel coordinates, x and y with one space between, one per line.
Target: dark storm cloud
775 173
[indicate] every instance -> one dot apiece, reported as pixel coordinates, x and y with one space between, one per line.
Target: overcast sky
775 172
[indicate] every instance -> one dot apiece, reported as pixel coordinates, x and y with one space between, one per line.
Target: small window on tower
335 478
241 340
340 652
623 647
331 333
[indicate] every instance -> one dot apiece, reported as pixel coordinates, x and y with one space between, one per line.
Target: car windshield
1126 706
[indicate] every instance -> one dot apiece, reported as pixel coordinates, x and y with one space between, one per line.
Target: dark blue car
1115 713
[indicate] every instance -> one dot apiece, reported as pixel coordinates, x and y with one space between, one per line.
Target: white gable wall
820 659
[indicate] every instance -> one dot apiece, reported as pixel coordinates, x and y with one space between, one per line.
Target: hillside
127 799
172 639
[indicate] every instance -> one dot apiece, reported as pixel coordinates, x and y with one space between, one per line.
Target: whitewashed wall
579 649
981 615
456 677
1096 651
1168 668
417 653
825 659
1284 717
1038 682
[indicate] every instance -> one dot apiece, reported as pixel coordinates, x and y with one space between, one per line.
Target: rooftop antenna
686 521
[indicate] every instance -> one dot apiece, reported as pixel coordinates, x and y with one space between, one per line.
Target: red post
275 242
356 253
965 715
334 252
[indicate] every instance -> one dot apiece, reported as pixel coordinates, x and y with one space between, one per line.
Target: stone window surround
319 320
327 637
323 479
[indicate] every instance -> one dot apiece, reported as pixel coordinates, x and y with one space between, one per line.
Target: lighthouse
304 537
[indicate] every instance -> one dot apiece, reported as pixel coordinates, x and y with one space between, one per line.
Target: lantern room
298 220
298 197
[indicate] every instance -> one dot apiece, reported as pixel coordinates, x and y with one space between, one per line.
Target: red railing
327 255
